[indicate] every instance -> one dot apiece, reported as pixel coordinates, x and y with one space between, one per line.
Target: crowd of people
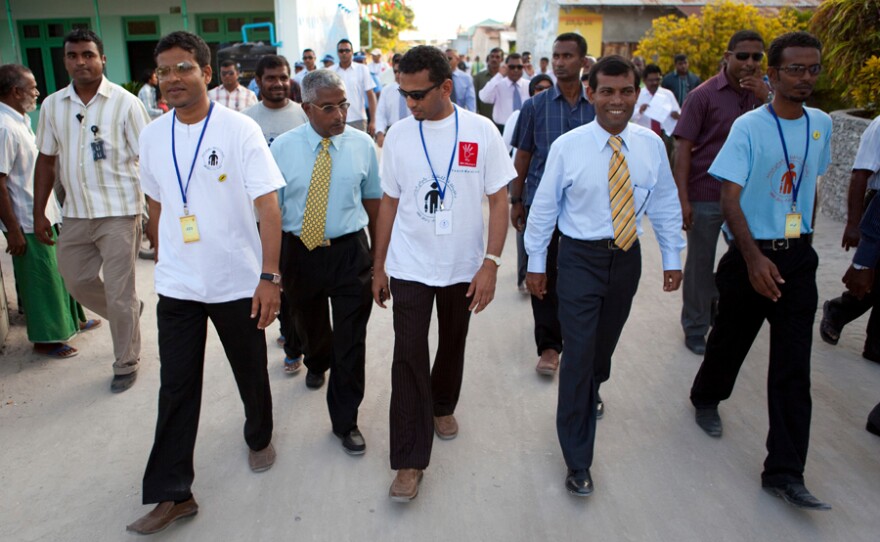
272 202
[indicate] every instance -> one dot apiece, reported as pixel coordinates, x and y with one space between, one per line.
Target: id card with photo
190 228
792 225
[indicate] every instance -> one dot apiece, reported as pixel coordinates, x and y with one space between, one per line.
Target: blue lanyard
184 189
441 189
796 186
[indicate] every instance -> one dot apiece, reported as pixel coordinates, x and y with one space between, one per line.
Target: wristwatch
495 259
274 278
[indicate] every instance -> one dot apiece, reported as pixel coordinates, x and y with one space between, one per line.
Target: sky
440 19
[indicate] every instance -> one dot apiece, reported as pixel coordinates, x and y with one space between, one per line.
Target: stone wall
844 144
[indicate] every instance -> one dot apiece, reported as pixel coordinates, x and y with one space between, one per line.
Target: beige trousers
89 249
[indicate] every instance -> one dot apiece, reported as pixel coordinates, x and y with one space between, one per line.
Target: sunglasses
514 66
331 108
180 69
343 51
798 69
417 95
743 56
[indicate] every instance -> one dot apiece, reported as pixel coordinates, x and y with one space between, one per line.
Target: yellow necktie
623 214
315 216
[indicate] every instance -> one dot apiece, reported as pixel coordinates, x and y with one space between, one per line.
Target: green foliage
132 86
398 16
850 34
703 38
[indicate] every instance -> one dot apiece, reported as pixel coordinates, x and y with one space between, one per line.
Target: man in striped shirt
231 94
88 132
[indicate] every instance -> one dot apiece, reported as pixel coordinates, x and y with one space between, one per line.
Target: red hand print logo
787 184
467 154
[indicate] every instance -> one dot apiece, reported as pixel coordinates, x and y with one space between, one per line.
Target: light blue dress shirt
574 192
354 177
463 87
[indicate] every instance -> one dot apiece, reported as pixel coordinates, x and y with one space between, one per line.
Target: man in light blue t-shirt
768 168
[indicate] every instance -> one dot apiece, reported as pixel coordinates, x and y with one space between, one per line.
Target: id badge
190 228
98 150
443 222
792 225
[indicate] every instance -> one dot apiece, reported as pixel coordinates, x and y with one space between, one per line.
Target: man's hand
380 139
518 216
755 84
43 229
642 108
371 127
537 284
675 115
266 303
851 236
16 245
381 288
858 281
764 277
502 69
687 215
671 280
482 288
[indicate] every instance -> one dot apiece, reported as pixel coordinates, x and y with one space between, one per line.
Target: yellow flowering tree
703 38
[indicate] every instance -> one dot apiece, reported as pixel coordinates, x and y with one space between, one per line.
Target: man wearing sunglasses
702 128
359 85
437 166
507 90
768 168
308 57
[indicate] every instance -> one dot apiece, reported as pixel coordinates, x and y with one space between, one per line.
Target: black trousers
548 332
741 313
183 328
418 391
337 276
846 308
292 343
596 288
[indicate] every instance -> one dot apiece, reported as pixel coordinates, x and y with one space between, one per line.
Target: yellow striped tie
315 215
623 213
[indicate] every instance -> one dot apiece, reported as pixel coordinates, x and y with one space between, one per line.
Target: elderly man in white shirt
507 90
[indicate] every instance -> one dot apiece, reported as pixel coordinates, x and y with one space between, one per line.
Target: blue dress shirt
465 96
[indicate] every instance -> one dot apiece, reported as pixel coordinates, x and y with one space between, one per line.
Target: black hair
744 35
309 51
537 79
269 62
229 62
80 35
577 38
679 58
146 75
187 41
344 40
613 65
513 56
396 58
792 39
651 68
496 50
585 76
426 57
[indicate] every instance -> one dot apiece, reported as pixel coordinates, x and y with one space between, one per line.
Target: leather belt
784 244
328 242
607 244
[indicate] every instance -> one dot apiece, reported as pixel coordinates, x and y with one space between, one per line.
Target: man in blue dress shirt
337 266
599 180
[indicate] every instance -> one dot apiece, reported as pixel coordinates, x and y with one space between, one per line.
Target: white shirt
302 75
868 156
357 81
238 100
18 156
481 166
95 188
233 168
574 191
388 109
147 95
509 128
645 97
499 91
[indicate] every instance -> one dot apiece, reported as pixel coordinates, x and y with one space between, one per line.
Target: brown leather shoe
548 363
164 515
405 486
446 427
263 459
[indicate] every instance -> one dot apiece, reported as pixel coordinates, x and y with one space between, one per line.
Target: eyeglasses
343 51
514 66
180 69
743 56
798 70
331 108
417 95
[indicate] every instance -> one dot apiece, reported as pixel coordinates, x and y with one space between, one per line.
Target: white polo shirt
233 167
357 81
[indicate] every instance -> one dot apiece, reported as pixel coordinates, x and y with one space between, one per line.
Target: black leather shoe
314 380
121 383
873 425
827 330
353 442
600 407
798 496
579 483
696 344
871 356
709 421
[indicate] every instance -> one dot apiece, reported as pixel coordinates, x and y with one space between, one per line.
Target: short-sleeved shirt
233 167
480 80
357 81
868 156
543 118
480 166
706 118
354 176
18 156
274 122
753 158
238 100
68 128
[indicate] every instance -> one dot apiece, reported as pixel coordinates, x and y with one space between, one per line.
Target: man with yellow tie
332 193
599 180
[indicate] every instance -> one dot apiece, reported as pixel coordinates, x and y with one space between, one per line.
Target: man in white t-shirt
429 240
359 86
205 168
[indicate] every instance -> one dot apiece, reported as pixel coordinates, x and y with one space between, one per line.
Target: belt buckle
325 243
780 244
611 245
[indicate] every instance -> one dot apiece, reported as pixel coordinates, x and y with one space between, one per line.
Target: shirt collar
104 89
5 108
601 136
314 140
556 93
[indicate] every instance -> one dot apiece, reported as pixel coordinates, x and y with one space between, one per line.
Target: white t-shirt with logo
481 166
233 167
